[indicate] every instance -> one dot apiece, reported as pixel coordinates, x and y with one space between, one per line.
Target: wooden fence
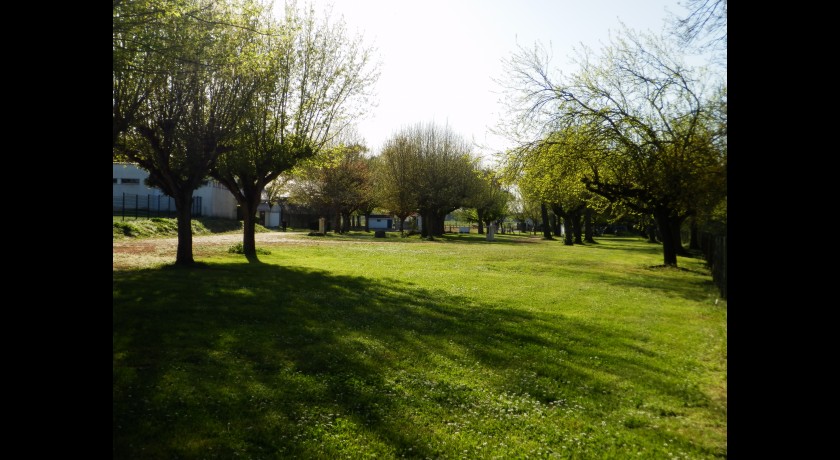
714 250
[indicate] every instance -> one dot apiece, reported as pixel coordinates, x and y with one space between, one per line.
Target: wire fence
144 206
714 250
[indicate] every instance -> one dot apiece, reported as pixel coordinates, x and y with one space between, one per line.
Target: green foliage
355 347
161 226
635 126
239 249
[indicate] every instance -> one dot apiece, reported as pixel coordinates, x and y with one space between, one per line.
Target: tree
393 172
437 170
445 178
181 87
704 26
552 171
662 125
489 199
316 80
337 183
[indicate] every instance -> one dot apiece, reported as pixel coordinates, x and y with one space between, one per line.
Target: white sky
439 58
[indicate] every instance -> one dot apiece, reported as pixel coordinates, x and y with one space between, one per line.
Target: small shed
263 213
275 216
380 222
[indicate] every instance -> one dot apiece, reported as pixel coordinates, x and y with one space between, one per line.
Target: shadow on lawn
263 361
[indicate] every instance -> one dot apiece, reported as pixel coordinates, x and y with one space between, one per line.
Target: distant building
380 222
129 186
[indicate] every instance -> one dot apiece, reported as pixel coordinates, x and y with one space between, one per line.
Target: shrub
239 249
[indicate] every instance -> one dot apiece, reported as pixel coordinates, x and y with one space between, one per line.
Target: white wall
216 200
380 223
275 216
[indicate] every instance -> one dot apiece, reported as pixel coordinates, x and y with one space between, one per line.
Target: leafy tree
430 168
393 172
181 87
445 178
316 79
552 170
490 199
660 123
337 183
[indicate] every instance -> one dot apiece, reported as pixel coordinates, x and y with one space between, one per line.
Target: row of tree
424 169
636 129
223 88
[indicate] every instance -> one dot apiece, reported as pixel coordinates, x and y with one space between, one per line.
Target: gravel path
151 252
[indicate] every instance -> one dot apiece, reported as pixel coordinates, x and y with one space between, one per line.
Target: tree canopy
653 130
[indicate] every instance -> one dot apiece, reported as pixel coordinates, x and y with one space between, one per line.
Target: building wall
275 216
216 200
380 223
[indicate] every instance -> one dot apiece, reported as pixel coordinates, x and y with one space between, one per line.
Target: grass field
355 347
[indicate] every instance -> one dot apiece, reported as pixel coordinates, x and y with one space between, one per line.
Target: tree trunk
546 228
249 219
676 227
480 221
694 240
669 247
555 224
367 223
577 224
651 230
568 231
588 229
183 208
567 224
440 220
425 231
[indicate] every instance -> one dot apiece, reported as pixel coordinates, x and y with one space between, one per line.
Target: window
115 180
131 181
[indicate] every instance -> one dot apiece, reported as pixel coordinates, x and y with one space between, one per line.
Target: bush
239 249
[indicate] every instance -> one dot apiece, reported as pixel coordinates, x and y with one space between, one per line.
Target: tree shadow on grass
262 361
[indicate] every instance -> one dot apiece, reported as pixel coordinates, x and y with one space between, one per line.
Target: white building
380 222
216 200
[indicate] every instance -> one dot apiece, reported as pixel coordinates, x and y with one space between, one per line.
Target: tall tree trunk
440 220
676 227
345 222
577 224
669 249
480 221
694 239
183 209
568 230
555 224
651 231
425 230
367 222
588 228
546 228
249 207
567 224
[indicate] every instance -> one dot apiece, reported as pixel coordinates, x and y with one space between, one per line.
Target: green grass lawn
355 347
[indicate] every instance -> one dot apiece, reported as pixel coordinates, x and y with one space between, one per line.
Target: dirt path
150 252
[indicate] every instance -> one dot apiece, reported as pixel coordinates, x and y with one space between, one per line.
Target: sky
439 58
